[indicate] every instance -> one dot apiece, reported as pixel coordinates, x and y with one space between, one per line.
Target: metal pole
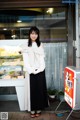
69 114
77 42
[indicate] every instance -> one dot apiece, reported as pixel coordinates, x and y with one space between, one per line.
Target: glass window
15 24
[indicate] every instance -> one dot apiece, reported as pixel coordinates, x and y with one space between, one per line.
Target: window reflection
50 21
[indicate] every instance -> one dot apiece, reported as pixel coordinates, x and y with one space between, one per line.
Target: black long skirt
38 91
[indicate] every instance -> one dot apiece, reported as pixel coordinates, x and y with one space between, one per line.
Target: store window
15 24
52 25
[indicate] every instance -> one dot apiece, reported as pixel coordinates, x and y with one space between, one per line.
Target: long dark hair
36 30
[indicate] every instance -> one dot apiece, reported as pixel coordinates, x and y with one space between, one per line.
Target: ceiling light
50 10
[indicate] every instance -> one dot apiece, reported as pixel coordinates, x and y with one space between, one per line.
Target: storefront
57 32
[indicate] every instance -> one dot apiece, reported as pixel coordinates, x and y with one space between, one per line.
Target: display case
11 62
12 72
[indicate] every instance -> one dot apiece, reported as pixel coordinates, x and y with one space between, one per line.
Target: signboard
69 86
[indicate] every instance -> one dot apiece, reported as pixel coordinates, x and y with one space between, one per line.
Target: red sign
69 86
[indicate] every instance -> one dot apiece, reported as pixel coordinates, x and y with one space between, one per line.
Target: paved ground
26 116
44 116
49 113
13 106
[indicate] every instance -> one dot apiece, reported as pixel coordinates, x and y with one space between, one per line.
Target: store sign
69 86
72 87
69 1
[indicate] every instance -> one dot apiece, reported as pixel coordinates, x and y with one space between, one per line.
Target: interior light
4 28
50 10
13 36
19 21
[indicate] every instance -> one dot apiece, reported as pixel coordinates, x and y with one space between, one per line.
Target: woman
33 56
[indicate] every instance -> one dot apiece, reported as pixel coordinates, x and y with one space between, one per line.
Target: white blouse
33 58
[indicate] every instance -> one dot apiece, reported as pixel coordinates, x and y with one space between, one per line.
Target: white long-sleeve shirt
33 58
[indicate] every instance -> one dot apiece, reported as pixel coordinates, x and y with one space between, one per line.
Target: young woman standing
33 56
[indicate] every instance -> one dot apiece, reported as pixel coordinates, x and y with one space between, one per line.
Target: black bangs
35 29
